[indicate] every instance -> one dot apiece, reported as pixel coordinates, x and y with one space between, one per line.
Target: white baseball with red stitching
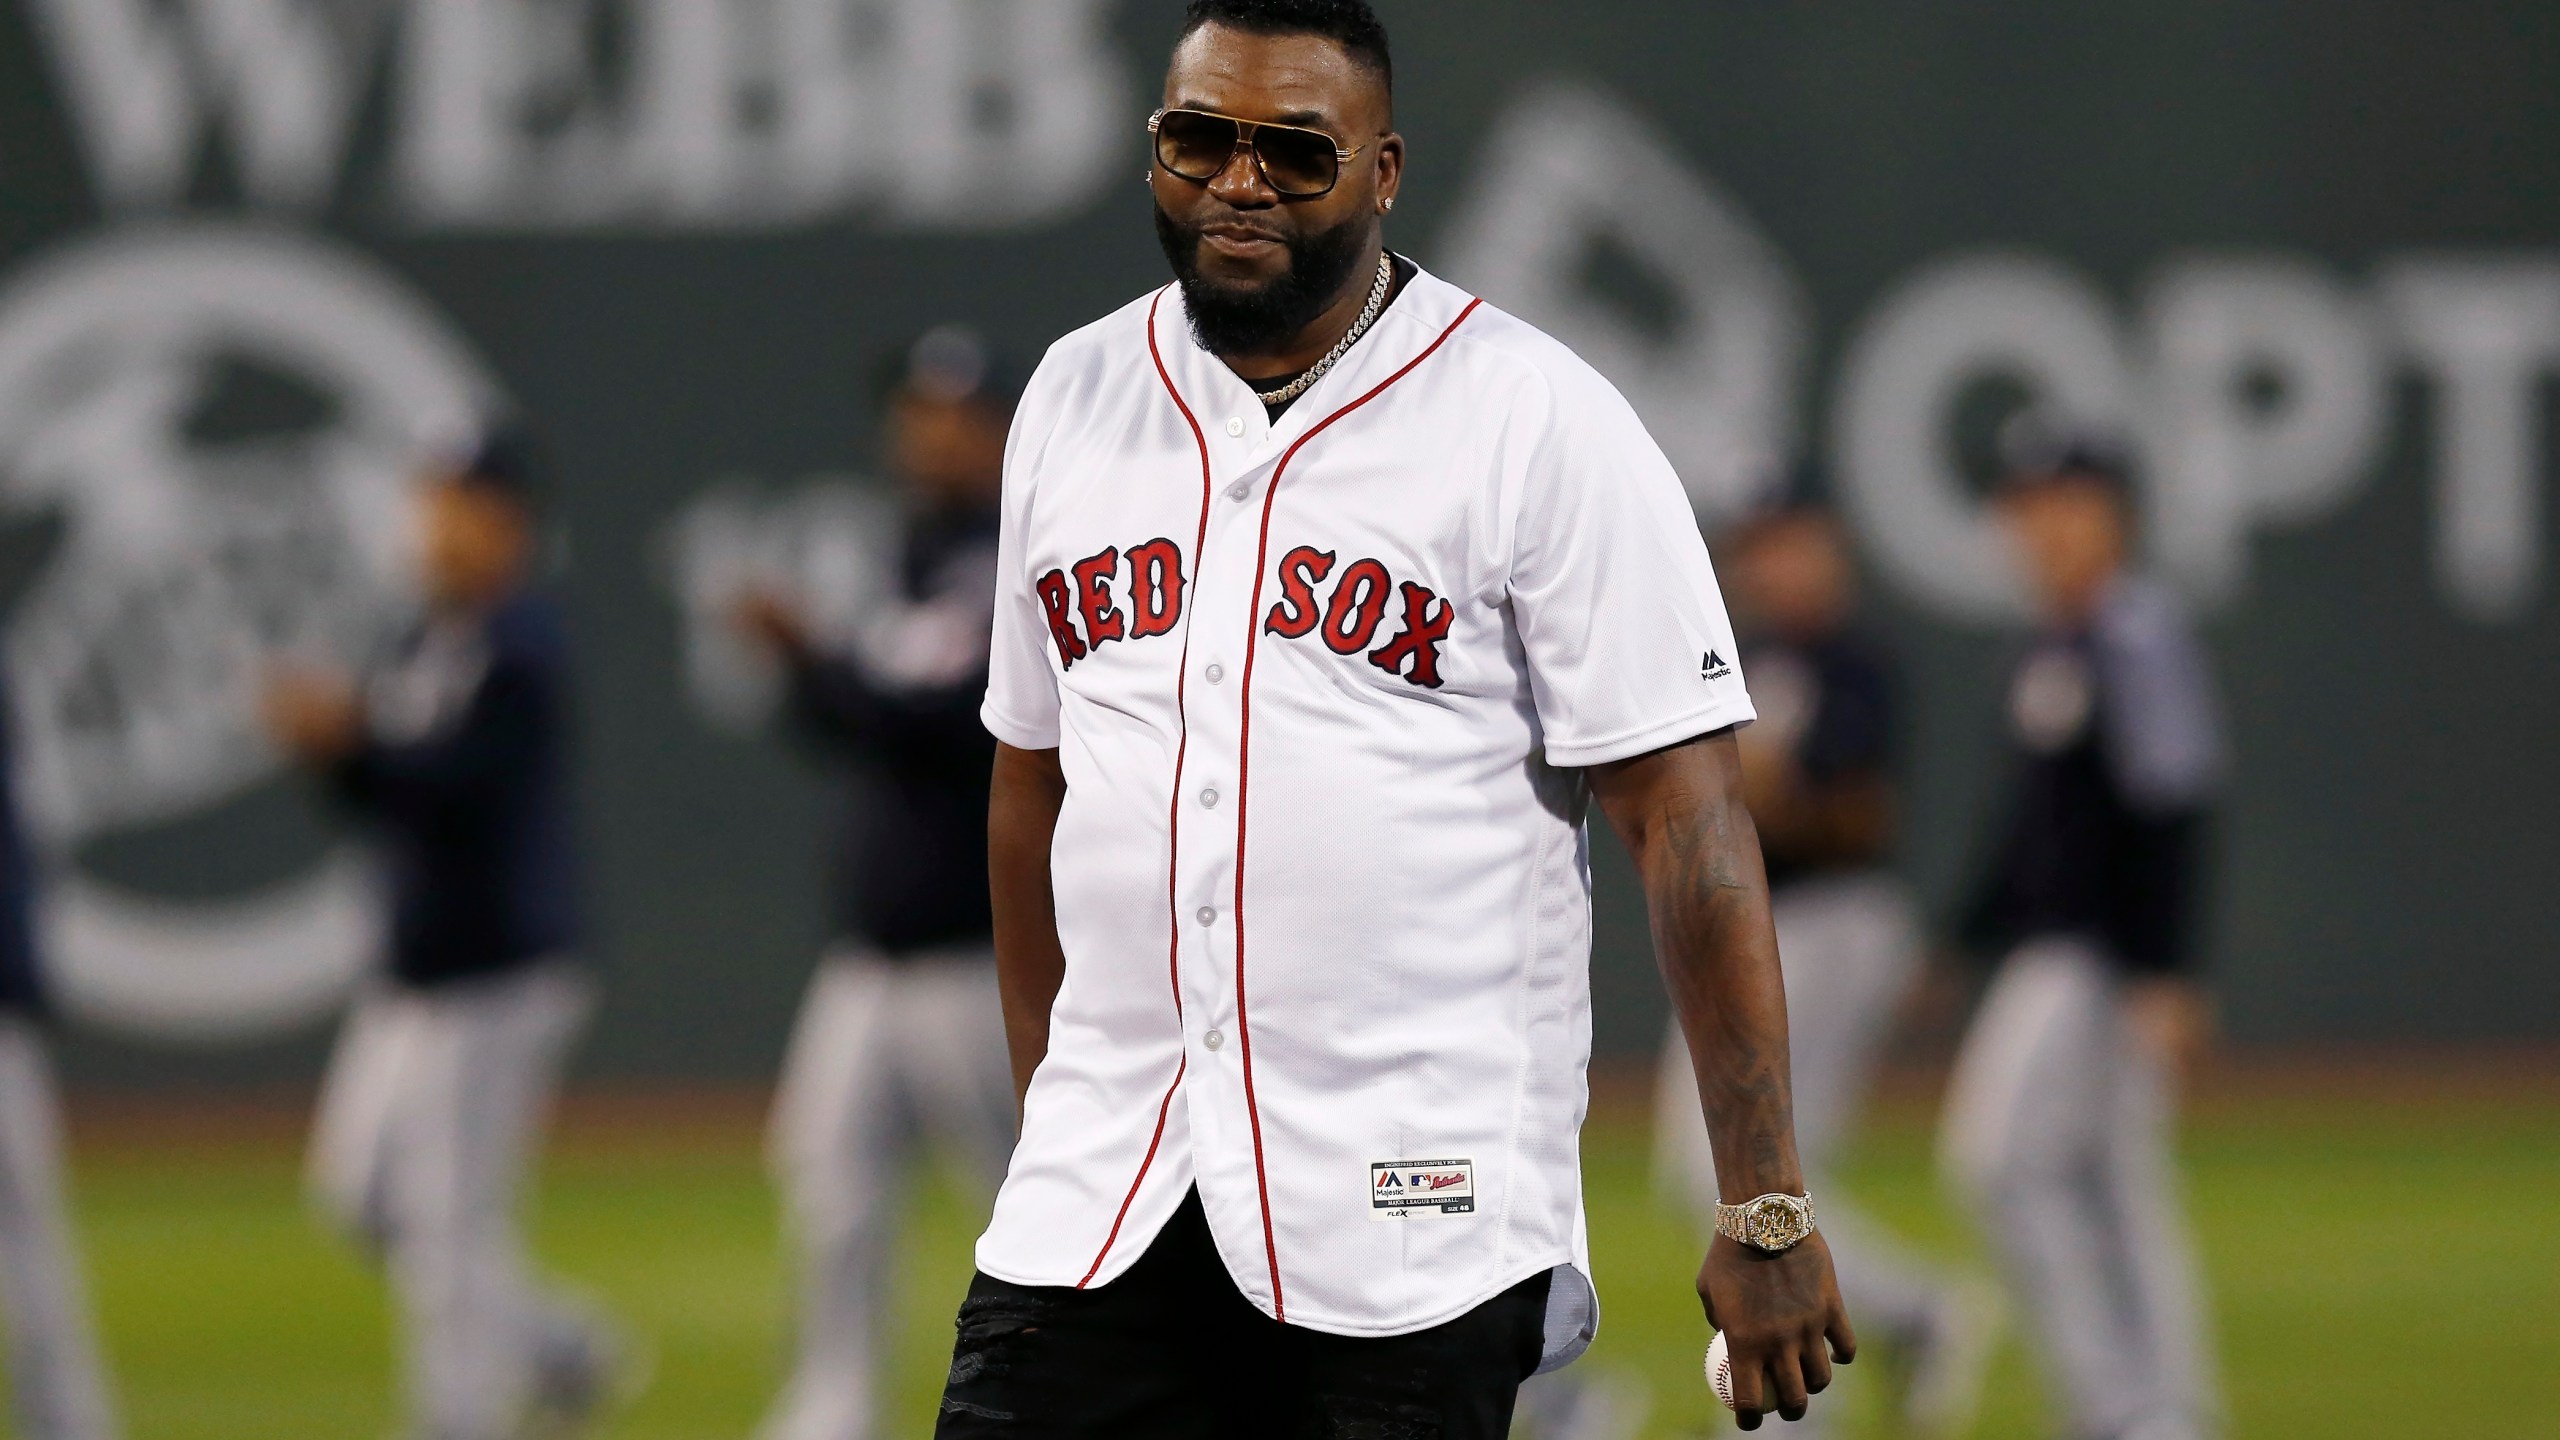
1720 1369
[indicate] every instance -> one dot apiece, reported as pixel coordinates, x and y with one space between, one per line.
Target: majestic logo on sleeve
1355 609
1084 612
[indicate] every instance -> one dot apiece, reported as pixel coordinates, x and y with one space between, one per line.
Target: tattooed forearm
1681 814
1703 844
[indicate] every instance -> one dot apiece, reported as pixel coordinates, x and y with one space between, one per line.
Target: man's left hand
1783 1323
772 622
313 715
2171 1018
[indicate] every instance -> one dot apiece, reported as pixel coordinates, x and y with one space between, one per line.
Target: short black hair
2039 448
504 460
1802 491
1350 24
1804 488
952 362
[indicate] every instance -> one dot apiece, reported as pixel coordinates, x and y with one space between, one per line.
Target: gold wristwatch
1773 1223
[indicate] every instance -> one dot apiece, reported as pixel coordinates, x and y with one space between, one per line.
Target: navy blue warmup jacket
910 869
2116 753
465 777
1842 712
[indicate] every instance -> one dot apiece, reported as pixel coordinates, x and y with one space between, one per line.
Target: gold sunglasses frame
1246 130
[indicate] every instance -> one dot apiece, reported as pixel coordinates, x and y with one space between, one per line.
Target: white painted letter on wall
1567 167
2266 400
1954 323
2485 333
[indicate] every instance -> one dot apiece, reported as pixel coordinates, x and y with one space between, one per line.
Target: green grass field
231 1316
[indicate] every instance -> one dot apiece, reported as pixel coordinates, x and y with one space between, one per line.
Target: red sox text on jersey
1084 614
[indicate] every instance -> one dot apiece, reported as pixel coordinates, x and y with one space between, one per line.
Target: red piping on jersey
1173 816
1163 1109
1244 751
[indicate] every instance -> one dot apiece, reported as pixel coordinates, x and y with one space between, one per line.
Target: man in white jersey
1327 599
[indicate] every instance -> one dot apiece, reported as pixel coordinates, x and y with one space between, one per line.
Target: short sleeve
1628 645
2156 696
1021 707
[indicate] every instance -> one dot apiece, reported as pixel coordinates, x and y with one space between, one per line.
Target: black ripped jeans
1171 1351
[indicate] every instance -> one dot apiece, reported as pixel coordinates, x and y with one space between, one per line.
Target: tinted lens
1297 162
1194 146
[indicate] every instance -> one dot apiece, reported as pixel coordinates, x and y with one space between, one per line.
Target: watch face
1773 1224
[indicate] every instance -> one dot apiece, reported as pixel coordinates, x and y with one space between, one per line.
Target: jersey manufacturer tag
1421 1189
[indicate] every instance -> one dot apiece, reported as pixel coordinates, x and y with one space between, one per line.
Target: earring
1386 205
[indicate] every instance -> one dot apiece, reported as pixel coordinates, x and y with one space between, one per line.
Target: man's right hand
770 621
2171 1019
312 714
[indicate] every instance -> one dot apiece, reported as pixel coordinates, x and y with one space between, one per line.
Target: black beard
1228 320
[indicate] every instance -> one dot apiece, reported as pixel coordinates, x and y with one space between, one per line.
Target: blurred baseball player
901 1038
1328 601
1817 771
456 755
2058 1122
57 1381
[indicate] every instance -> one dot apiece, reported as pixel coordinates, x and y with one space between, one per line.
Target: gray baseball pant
2058 1135
427 1124
886 1057
60 1383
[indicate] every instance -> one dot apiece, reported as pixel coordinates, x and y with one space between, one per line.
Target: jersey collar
1421 312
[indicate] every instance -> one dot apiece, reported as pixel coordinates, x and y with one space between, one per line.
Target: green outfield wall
257 255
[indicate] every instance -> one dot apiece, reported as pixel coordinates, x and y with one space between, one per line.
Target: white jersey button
1215 673
1213 1039
1206 915
1209 798
1238 493
1235 425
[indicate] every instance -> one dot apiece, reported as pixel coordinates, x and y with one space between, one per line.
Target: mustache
1234 224
1246 226
1227 319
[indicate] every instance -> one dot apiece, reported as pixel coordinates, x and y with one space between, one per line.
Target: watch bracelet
1730 1219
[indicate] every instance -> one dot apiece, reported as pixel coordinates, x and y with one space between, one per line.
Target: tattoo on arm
1681 813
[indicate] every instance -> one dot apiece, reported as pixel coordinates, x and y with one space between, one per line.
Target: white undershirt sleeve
2163 723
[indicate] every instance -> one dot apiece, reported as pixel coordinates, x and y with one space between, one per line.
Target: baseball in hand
1720 1369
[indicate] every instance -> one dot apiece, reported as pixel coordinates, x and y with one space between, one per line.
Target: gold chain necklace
1351 337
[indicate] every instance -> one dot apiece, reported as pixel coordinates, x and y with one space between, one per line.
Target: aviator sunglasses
1299 163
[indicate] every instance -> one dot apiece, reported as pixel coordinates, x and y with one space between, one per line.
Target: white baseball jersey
1320 689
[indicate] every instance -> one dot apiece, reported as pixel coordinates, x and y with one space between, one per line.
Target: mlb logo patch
1421 1189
